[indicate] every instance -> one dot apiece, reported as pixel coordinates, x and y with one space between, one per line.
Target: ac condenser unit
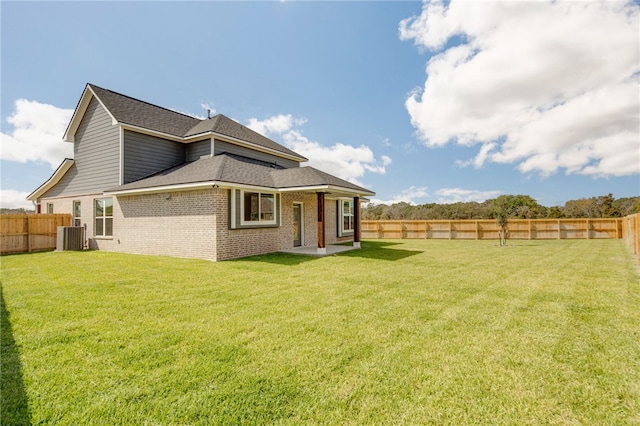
70 238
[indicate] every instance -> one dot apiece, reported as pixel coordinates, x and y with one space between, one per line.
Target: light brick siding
331 224
181 225
178 224
195 224
233 243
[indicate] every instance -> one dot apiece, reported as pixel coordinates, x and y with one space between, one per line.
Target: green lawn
400 332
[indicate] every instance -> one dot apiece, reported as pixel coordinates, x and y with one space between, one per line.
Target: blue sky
420 102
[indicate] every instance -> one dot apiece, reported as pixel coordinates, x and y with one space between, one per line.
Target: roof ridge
141 101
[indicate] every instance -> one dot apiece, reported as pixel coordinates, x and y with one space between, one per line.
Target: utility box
70 238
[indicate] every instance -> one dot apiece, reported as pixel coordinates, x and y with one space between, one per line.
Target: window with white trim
254 209
49 208
77 213
103 214
346 217
258 207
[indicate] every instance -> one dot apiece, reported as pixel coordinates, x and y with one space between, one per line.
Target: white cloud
277 124
459 195
37 134
12 199
345 161
544 85
409 195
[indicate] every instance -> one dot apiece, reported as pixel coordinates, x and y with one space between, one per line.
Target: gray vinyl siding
145 155
96 152
197 149
221 147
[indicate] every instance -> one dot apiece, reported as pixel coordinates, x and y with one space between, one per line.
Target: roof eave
187 187
328 189
54 179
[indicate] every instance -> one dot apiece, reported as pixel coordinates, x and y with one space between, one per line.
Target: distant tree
16 211
554 212
627 206
509 206
605 206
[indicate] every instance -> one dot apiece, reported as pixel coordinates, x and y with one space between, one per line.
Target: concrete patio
314 251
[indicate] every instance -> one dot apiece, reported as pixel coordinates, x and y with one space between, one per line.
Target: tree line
509 206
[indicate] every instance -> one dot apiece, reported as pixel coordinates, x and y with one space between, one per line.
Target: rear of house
148 180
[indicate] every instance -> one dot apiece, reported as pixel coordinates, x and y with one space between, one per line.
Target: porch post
356 222
322 249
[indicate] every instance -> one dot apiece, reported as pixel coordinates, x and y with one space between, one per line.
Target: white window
103 209
346 218
254 209
77 212
258 208
49 208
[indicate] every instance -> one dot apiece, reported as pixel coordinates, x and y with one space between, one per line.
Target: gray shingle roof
138 113
233 169
128 110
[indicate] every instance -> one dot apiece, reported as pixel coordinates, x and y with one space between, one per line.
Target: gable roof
234 170
141 115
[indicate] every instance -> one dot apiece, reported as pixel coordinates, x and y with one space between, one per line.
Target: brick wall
195 224
331 224
234 243
180 224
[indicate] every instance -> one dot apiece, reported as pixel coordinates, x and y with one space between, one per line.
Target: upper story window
49 208
77 213
103 209
346 217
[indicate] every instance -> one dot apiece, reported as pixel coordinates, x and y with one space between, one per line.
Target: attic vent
70 238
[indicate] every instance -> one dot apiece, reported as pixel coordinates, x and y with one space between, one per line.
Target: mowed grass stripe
401 332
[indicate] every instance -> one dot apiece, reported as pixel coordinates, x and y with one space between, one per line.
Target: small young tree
502 209
503 222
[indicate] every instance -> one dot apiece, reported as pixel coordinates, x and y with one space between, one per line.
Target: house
145 179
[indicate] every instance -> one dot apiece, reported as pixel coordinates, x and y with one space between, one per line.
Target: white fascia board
328 188
314 188
142 130
55 178
165 188
81 108
188 187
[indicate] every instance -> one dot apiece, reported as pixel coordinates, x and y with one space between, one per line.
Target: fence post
588 231
28 233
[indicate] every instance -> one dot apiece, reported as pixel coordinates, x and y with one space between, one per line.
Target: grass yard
400 332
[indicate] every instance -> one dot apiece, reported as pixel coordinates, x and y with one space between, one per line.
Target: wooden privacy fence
488 229
22 233
631 233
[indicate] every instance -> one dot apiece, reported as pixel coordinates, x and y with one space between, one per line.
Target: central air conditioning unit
70 238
